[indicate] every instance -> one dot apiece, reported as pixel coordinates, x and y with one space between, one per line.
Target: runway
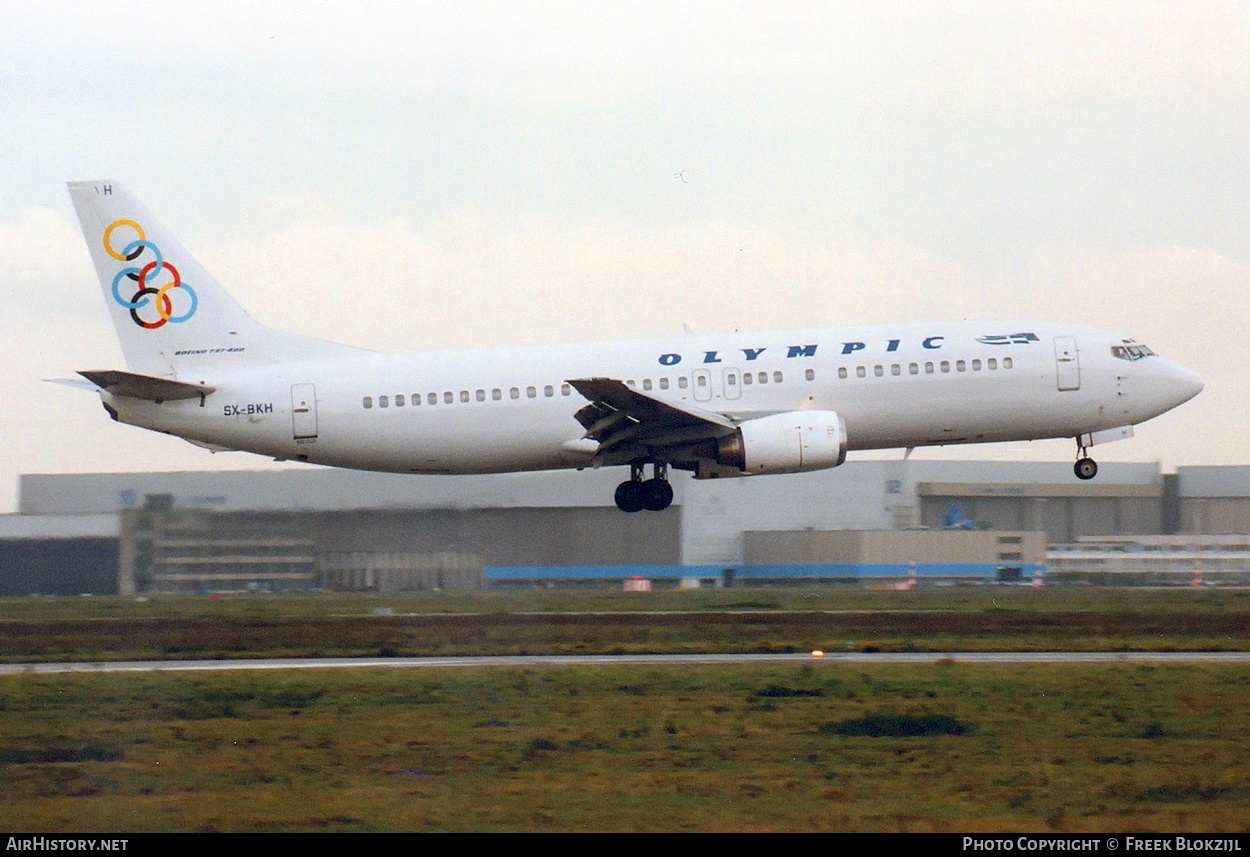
826 659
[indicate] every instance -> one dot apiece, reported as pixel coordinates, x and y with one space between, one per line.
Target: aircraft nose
1182 384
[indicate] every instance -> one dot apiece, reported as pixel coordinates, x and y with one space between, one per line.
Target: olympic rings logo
144 276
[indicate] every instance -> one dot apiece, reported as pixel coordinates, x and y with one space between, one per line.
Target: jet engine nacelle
792 442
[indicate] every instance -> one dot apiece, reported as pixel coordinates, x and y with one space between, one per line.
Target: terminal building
897 521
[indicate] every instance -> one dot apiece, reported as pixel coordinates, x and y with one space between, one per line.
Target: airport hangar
877 520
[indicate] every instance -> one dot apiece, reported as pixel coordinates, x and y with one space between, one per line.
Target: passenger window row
731 377
682 383
497 394
448 397
990 364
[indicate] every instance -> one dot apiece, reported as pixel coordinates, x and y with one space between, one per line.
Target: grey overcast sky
413 175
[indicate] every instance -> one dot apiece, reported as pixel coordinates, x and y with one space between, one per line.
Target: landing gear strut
654 494
1085 467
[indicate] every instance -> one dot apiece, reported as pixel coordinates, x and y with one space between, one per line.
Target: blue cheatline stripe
745 572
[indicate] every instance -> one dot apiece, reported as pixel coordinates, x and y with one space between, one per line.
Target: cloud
473 280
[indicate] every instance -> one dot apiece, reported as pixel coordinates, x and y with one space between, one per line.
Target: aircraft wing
144 386
629 423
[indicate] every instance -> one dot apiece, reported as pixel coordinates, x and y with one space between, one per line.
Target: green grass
946 747
822 746
522 600
602 622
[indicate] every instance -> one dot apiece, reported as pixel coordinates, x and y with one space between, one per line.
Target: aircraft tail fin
171 316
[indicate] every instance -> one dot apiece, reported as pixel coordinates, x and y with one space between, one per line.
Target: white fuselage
906 385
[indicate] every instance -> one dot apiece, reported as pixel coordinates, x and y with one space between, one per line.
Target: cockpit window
1131 352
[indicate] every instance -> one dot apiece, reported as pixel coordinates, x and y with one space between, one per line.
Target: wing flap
644 407
626 421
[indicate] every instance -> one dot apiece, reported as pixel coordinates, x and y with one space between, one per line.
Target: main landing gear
653 494
1085 467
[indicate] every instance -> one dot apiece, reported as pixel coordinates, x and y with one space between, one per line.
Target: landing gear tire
1085 468
654 494
629 496
657 495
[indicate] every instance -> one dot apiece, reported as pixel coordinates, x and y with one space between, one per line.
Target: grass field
951 747
819 747
601 622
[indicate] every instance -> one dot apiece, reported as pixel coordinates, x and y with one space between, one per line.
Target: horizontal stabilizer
76 383
120 383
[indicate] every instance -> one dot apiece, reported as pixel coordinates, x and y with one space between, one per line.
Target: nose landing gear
636 494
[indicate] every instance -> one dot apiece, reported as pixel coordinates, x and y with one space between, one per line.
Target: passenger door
1067 363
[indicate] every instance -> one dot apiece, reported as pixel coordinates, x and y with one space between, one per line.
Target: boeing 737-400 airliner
738 404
